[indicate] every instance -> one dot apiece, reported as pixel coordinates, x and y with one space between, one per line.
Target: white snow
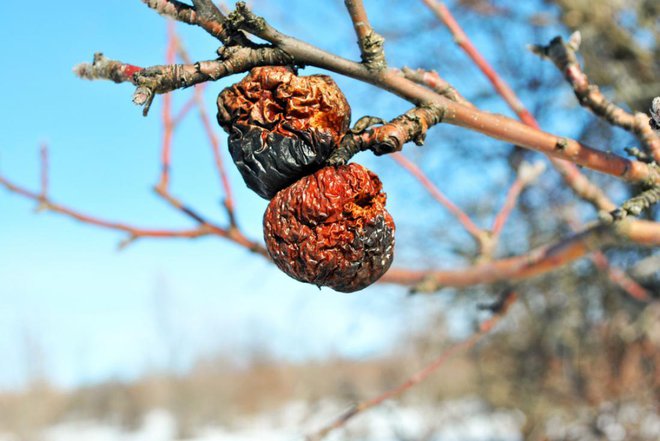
465 420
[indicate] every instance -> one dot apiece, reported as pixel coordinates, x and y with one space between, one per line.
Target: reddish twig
537 261
487 326
43 155
213 140
432 80
134 232
187 107
477 233
616 275
162 187
462 40
370 43
564 56
168 126
619 277
527 174
576 180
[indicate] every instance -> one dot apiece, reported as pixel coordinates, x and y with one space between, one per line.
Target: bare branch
580 185
538 261
390 137
203 14
527 174
635 205
163 79
371 43
477 233
432 80
198 101
45 203
461 39
564 56
495 126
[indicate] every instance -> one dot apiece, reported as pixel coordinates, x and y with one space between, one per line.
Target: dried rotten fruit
331 228
281 126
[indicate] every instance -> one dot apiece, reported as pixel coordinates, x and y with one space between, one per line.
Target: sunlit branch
371 43
536 262
563 55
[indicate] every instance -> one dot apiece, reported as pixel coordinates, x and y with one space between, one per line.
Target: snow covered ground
465 420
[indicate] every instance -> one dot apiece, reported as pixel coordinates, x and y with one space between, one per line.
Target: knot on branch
373 55
634 206
654 122
389 137
562 54
243 18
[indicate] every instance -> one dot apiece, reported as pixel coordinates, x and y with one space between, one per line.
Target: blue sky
71 304
74 307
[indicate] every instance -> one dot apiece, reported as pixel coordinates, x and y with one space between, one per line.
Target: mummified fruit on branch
281 126
331 229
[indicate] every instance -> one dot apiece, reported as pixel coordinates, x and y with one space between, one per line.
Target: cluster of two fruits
325 225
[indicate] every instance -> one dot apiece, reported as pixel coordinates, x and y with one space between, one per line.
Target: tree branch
390 137
432 80
535 262
163 79
495 126
564 56
371 43
579 183
204 14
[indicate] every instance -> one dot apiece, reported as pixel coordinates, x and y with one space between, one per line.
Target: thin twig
45 203
168 126
575 180
162 187
370 43
432 80
43 155
616 275
228 201
527 174
563 55
462 40
620 278
389 137
533 263
485 328
477 233
287 50
188 106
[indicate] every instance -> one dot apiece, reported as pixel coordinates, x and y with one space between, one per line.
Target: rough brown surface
281 126
331 229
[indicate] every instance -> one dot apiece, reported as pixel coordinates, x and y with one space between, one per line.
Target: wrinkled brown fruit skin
331 229
281 126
